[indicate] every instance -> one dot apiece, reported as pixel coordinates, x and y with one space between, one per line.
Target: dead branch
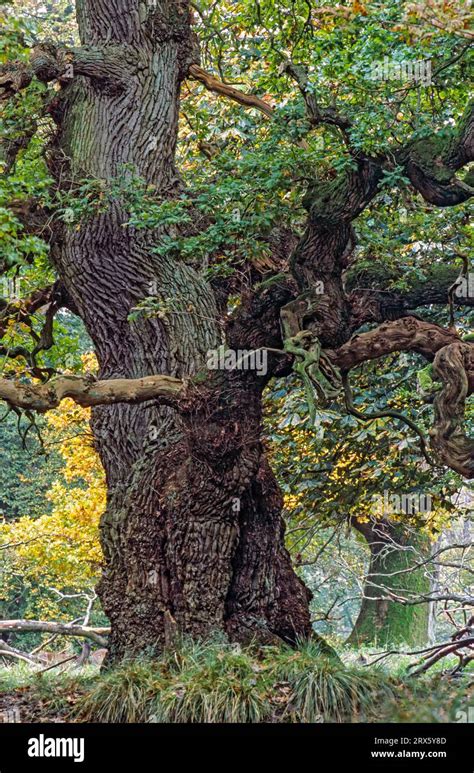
218 87
59 663
86 391
26 626
11 652
461 644
16 655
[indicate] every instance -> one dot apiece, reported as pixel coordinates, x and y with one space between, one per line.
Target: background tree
343 475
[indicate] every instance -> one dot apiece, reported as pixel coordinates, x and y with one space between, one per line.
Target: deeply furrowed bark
192 535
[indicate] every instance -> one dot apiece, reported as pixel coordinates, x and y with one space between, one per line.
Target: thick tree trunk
382 622
199 543
192 535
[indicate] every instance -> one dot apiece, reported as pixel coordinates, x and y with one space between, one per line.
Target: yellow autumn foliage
60 549
349 482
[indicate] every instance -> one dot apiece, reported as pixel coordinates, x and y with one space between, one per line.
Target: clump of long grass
124 694
213 682
322 688
15 675
207 681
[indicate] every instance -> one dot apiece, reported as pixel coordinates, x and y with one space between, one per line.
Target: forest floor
213 683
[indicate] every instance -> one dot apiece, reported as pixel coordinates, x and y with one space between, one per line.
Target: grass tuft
213 682
124 694
323 689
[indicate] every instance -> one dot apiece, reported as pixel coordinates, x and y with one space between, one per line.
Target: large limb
50 63
431 163
408 334
441 287
453 365
87 391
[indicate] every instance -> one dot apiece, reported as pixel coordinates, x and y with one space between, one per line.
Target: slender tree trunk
381 622
192 535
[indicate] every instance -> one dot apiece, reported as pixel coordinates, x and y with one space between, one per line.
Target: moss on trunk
381 621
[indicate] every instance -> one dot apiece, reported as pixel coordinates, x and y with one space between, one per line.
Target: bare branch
26 626
7 651
316 114
86 391
223 89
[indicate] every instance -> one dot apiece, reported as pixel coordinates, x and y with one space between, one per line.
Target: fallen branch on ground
59 663
461 644
6 651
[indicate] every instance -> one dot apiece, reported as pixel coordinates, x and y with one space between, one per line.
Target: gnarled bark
192 535
452 365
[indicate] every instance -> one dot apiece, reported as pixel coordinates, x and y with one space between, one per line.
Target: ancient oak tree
193 536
